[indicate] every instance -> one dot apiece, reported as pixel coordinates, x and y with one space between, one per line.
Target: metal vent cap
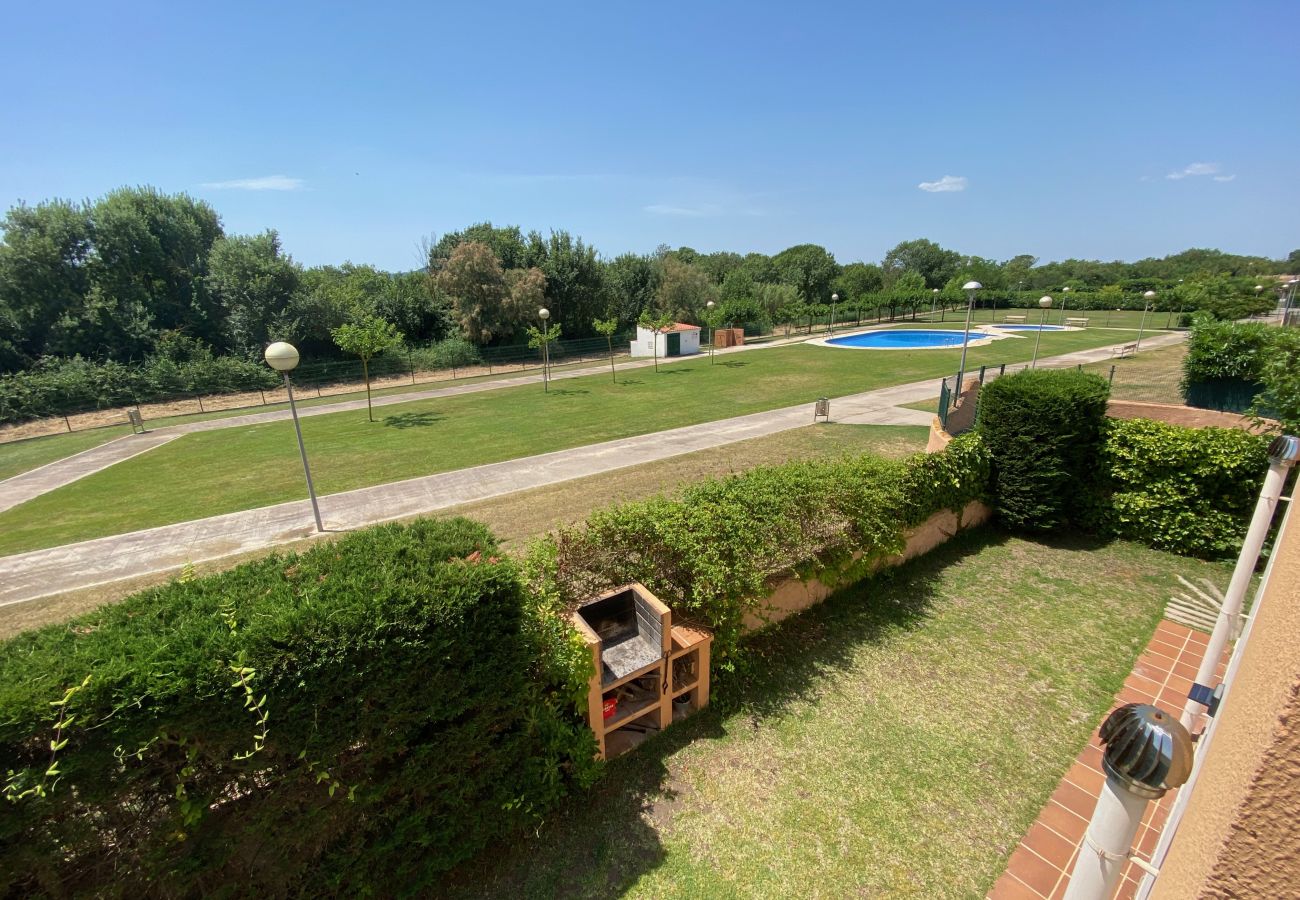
1147 749
1284 449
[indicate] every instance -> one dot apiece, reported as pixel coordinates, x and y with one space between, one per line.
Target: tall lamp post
934 298
835 298
544 314
970 288
283 357
1146 306
713 329
1065 299
1044 303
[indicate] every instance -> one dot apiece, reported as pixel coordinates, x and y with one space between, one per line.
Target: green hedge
710 552
1186 490
407 722
1043 429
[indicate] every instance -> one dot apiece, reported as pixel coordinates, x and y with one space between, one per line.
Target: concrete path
41 573
23 487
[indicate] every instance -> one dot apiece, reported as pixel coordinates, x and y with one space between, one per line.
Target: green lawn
896 741
241 468
23 456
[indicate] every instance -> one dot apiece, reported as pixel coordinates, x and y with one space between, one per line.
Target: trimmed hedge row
710 552
358 717
1043 429
1185 490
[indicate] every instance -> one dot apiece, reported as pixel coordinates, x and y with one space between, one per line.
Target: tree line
117 279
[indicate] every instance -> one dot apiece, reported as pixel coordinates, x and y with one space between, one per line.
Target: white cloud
1200 168
1224 177
945 184
265 183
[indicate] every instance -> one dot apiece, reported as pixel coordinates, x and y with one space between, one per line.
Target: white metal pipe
1203 745
1230 613
1106 843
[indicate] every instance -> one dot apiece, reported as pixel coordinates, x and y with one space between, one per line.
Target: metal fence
1142 383
335 377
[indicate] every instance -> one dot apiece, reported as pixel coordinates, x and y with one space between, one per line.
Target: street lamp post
1146 306
1044 303
713 329
970 288
544 314
835 298
283 357
934 297
1064 301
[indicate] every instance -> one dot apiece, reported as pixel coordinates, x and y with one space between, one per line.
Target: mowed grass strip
234 469
519 517
896 741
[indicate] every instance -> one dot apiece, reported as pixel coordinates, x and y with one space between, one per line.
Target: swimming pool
1030 327
910 339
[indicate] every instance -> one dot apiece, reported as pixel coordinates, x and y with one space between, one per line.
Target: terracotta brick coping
1039 868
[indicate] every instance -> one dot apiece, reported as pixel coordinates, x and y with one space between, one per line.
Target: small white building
678 339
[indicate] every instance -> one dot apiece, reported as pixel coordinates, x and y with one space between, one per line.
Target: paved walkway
41 573
1039 868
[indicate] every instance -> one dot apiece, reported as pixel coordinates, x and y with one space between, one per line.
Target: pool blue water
916 339
1031 327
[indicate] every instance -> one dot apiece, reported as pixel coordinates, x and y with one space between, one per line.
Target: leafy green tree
857 280
507 243
935 264
631 281
683 291
254 283
412 302
760 268
44 278
719 265
608 327
541 339
150 263
809 269
575 278
366 338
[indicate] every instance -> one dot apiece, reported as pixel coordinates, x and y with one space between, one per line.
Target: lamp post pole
934 297
713 329
544 314
970 288
1146 305
835 298
1065 300
1045 303
283 358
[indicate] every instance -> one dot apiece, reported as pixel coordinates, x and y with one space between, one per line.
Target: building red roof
680 326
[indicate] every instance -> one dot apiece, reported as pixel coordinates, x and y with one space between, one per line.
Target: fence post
1002 369
943 403
201 409
263 393
1112 375
66 422
410 362
982 368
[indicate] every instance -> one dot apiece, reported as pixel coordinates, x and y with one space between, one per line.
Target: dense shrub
181 368
1043 429
1186 490
1234 365
711 552
405 726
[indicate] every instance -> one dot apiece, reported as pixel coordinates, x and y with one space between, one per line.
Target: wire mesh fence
393 371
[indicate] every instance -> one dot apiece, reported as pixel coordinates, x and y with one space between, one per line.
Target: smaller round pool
1031 327
912 339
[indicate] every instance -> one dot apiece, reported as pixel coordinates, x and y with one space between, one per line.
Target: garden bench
1018 319
1126 350
1077 322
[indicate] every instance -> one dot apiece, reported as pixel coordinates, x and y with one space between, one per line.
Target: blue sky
354 129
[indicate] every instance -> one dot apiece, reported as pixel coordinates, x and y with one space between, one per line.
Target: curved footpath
43 573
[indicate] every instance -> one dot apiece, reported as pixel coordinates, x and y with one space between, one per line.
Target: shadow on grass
413 420
568 392
733 364
598 843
